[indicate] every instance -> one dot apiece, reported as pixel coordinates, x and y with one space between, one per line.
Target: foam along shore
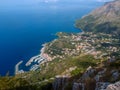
17 71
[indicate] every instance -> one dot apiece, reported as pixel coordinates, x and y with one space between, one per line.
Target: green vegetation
76 72
84 24
71 65
56 67
73 53
37 80
16 83
105 19
56 46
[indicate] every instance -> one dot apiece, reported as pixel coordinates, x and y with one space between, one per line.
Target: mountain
77 61
105 19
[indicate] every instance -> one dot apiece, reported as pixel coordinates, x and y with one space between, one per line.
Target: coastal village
76 44
80 44
85 60
98 45
88 60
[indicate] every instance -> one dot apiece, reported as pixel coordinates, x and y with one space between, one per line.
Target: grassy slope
56 67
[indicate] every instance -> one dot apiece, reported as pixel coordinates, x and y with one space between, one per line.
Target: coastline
35 61
34 32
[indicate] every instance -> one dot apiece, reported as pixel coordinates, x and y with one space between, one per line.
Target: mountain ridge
104 19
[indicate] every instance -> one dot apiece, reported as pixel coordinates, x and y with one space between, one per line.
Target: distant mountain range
105 19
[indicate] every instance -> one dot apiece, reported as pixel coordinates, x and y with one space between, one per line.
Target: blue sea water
26 24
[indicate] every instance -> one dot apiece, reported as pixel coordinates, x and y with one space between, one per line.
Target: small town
69 44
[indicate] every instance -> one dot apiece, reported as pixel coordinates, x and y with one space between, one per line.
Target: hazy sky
7 4
45 1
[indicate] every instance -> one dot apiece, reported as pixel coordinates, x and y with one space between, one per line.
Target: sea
27 24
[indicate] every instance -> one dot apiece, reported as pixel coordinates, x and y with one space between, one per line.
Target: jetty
17 71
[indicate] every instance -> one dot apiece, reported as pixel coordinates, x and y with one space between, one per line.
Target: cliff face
98 78
60 82
104 19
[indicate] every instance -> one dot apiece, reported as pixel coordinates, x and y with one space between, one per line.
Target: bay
27 24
